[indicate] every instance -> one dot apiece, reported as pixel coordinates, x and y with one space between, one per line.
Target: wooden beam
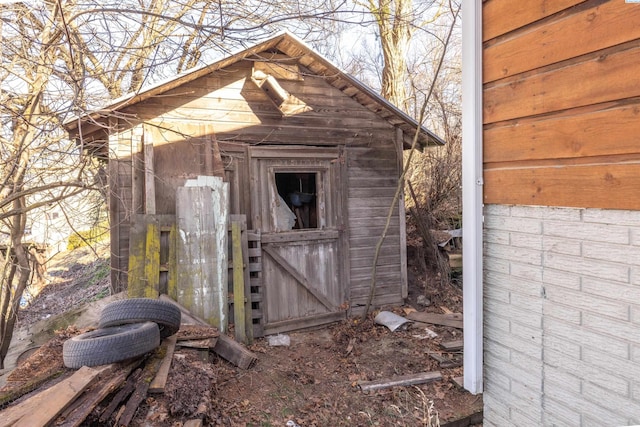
234 352
402 380
142 387
446 362
149 174
172 280
121 395
44 407
137 168
454 345
208 156
454 320
218 166
93 396
160 380
202 344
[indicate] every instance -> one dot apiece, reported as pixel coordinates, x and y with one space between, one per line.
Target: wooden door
297 199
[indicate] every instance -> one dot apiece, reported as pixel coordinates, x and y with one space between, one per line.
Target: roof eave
294 47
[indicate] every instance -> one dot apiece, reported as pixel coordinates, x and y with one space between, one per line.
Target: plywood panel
202 251
597 186
593 132
601 78
502 16
585 31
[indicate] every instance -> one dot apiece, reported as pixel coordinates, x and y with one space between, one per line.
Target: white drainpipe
472 192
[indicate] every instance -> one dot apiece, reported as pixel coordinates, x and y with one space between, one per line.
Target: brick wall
561 316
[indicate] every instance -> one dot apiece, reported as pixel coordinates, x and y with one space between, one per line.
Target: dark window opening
298 190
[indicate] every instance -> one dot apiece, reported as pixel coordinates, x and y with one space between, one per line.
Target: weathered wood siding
561 103
373 177
226 106
230 106
120 202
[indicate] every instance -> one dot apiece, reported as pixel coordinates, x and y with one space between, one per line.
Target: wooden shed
312 157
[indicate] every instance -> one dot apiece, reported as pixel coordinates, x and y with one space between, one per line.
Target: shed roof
292 46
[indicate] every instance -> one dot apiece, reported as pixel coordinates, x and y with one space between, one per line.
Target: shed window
299 191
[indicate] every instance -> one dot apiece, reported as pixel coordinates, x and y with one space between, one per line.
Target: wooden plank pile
111 394
451 354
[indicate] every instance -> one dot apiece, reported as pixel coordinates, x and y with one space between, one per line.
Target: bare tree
455 9
63 57
395 19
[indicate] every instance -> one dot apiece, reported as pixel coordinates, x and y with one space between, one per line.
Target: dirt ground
311 382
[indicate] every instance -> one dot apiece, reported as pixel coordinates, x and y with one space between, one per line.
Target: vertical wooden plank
137 170
208 156
247 282
244 170
172 283
113 179
239 314
218 166
152 261
43 408
402 219
343 225
201 216
254 196
137 253
149 173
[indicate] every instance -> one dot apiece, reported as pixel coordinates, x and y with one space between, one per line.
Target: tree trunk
394 19
12 294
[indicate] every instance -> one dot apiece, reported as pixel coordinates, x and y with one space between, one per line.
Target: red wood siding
561 103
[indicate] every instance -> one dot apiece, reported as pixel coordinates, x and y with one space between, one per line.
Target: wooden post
239 314
172 282
137 170
149 173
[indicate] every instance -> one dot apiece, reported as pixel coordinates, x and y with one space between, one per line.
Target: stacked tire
127 328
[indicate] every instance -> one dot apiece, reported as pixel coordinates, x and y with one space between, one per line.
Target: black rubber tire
110 345
136 310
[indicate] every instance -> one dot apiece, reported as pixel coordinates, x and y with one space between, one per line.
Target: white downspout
472 192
